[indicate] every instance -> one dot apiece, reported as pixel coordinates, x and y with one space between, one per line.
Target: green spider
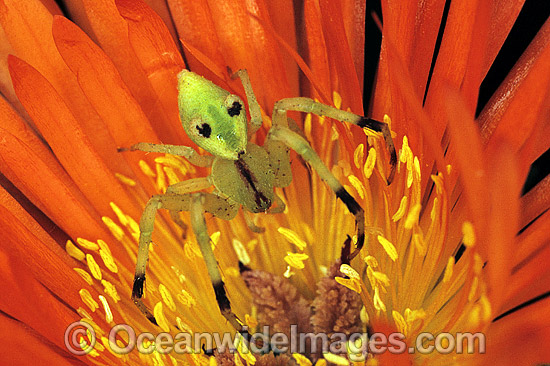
243 173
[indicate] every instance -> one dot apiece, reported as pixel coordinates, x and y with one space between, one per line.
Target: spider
242 173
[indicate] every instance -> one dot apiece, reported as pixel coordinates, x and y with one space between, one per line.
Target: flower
438 256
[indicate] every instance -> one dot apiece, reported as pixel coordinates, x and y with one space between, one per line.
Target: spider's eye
204 130
235 109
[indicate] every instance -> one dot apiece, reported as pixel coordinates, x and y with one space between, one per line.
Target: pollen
116 230
412 217
351 283
146 169
371 261
337 99
108 313
301 359
108 260
241 252
288 273
214 239
335 359
388 247
86 244
449 270
161 319
125 180
88 299
296 260
110 290
292 237
469 237
358 155
370 163
401 210
167 297
171 175
358 185
350 272
73 251
94 267
186 299
85 275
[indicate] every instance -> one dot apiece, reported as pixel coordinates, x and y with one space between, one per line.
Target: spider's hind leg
197 204
308 105
302 147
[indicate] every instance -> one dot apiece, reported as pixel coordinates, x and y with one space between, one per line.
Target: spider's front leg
302 147
307 105
197 204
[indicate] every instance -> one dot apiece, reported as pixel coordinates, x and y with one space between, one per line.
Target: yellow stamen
110 290
161 319
301 359
364 316
350 272
88 299
370 163
378 303
116 230
86 244
350 283
307 126
108 313
400 323
401 210
292 237
85 275
243 350
296 260
473 289
171 175
161 178
167 297
94 267
469 236
108 261
146 169
412 217
73 251
388 247
288 273
214 239
337 99
241 252
358 185
335 359
371 261
449 270
125 180
186 299
358 155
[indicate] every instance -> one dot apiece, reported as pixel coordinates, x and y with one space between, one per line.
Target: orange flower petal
33 42
67 140
104 88
530 328
504 187
516 106
502 19
35 171
161 62
103 22
20 345
535 202
195 26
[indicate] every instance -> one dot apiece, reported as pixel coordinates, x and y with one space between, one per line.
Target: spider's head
212 117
